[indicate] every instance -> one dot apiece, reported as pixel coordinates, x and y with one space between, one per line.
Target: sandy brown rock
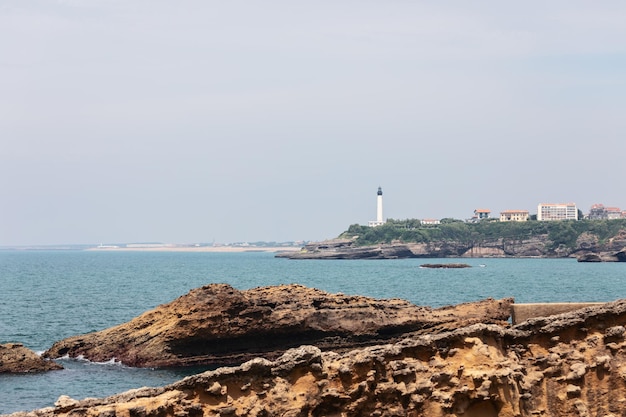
218 324
16 358
573 364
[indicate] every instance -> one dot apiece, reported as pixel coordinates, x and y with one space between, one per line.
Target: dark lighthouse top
380 191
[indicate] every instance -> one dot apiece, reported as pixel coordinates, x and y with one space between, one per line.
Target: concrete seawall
523 312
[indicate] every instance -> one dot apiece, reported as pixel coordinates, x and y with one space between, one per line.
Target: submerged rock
445 266
571 364
16 358
217 324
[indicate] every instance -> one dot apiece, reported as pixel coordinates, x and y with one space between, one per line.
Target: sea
46 296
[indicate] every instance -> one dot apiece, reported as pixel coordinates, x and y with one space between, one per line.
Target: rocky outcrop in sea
218 324
16 358
572 364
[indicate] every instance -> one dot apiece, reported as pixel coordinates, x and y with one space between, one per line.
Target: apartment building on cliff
562 211
514 216
599 212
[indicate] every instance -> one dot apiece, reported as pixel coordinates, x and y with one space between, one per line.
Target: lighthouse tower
379 210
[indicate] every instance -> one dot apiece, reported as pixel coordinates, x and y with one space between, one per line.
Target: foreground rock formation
218 324
573 364
16 358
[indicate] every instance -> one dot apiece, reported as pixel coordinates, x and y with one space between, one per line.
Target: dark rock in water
445 266
16 358
218 324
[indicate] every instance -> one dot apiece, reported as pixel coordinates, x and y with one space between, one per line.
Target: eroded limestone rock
573 364
218 324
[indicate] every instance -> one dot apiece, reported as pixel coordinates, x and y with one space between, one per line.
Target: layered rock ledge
587 249
573 364
218 324
16 358
348 249
602 256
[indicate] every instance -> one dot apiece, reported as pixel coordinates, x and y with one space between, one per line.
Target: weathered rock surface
16 358
573 364
346 249
218 324
602 256
614 250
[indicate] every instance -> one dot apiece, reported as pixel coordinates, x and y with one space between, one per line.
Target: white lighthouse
379 210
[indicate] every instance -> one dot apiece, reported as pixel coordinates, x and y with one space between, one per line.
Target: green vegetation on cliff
559 233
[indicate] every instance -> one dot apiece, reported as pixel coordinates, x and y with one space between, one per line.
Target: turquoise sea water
47 296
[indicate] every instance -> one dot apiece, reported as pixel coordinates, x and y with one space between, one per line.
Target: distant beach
176 248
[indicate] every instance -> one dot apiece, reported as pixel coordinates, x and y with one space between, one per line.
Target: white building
379 210
563 211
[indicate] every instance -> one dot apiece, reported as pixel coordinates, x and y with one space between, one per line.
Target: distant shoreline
217 249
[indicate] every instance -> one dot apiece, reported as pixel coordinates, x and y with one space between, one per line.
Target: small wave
112 361
81 358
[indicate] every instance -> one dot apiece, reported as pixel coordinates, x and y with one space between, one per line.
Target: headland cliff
591 241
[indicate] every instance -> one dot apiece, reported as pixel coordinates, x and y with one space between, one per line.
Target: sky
209 121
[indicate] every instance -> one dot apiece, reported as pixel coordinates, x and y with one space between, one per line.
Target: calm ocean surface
46 296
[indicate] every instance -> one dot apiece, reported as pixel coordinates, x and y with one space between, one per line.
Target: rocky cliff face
536 247
218 324
614 250
573 364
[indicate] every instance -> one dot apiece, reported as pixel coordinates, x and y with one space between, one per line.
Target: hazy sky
201 121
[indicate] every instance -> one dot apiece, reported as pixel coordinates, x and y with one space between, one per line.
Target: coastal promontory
590 240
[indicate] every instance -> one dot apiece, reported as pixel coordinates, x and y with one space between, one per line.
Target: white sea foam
112 361
81 358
